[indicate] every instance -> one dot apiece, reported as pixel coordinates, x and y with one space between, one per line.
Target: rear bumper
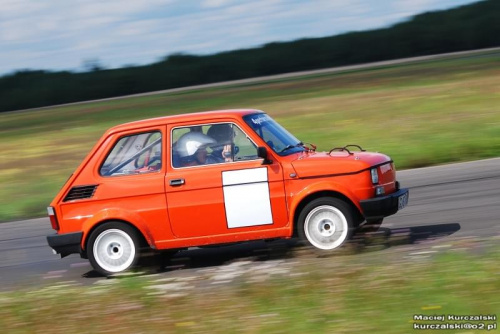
65 244
380 207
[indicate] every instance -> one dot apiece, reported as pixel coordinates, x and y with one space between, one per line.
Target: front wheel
326 223
113 248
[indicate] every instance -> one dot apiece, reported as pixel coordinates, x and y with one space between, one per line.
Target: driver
222 152
192 148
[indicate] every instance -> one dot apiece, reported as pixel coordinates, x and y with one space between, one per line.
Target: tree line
467 27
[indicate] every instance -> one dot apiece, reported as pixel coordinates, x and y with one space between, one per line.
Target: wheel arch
324 193
129 218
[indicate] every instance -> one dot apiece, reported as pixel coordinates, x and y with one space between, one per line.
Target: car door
223 196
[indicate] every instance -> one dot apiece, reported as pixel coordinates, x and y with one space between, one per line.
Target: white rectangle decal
246 197
244 176
248 205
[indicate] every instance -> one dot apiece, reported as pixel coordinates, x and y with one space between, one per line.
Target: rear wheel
113 248
326 223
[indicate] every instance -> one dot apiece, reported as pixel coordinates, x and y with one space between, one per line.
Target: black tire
331 231
113 248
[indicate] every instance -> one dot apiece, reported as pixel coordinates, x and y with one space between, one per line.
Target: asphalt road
446 202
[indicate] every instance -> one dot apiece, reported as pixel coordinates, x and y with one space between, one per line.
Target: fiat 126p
215 178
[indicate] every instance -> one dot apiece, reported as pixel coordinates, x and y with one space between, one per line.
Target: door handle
177 182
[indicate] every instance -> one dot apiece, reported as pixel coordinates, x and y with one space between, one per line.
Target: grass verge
379 293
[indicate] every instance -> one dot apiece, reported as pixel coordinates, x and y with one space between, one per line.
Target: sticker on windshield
260 119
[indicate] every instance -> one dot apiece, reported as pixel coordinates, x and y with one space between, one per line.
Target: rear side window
136 154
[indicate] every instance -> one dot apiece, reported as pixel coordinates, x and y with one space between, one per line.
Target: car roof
197 116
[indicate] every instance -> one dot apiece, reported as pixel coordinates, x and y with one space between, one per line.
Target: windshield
279 140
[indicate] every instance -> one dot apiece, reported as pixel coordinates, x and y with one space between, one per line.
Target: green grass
419 114
376 293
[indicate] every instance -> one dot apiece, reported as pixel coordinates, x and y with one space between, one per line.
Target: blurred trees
464 28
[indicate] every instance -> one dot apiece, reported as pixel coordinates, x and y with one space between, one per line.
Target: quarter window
136 154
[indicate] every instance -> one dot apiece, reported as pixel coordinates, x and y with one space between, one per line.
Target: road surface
446 202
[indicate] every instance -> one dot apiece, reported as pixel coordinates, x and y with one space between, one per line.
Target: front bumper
380 207
66 244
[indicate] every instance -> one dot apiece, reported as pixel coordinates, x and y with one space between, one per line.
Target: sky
71 34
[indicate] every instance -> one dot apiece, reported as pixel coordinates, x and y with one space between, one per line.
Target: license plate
402 201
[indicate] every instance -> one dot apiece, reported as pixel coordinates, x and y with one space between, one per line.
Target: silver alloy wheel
326 227
114 250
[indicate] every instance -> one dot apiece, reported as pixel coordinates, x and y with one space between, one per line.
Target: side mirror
262 153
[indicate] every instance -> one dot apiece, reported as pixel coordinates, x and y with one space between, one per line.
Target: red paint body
193 214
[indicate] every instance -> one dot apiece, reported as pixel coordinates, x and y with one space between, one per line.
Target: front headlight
374 173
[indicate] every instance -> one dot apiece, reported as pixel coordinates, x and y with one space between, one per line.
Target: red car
215 178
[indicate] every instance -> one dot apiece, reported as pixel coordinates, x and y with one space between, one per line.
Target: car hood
309 164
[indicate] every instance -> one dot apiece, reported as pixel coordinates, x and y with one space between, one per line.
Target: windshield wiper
299 144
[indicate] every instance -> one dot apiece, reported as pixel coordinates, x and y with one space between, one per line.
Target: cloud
215 3
412 6
60 34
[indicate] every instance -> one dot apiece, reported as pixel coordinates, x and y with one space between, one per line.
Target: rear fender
121 215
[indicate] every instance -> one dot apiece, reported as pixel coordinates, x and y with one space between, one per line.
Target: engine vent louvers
80 192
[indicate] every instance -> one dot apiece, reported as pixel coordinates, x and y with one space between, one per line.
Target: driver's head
194 145
222 133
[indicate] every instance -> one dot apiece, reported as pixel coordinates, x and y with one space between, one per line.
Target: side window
210 144
244 148
136 154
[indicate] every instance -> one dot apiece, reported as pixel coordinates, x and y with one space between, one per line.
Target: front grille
80 192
